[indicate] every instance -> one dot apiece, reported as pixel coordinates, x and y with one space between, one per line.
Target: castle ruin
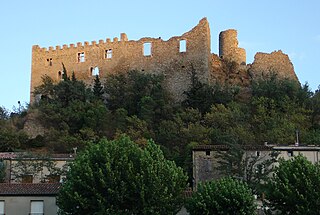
173 58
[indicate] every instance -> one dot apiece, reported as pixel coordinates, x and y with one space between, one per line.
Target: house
32 199
35 168
207 158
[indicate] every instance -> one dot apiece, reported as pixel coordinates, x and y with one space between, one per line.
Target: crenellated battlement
123 37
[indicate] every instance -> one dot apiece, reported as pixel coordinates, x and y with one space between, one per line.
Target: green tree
223 197
97 88
119 177
136 92
294 187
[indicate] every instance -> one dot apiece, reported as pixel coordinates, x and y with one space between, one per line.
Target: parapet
228 47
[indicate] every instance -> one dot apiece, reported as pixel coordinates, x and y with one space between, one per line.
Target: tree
294 187
223 197
119 177
97 88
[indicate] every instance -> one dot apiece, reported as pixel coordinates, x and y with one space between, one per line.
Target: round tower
228 47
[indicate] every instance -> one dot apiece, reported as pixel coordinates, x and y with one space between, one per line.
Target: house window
53 178
81 57
26 179
108 54
208 153
183 46
49 61
2 207
36 208
147 49
290 153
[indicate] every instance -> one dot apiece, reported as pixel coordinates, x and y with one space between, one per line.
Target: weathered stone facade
173 58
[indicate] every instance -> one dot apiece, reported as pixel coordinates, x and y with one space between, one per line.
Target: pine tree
97 88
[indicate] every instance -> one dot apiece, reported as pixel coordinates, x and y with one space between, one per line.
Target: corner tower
228 47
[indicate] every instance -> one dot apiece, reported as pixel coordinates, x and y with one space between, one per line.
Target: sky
263 26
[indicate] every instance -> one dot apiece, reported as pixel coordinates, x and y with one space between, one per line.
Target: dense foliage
294 187
71 114
223 197
119 177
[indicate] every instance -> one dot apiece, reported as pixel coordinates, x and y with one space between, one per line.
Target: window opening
54 178
36 207
49 61
290 153
94 71
147 49
109 53
27 179
59 75
81 57
183 46
208 153
258 153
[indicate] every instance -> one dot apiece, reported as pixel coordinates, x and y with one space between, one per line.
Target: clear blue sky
263 26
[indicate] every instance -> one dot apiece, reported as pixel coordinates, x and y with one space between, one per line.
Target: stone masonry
174 59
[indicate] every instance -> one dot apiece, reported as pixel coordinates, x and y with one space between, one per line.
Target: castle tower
228 47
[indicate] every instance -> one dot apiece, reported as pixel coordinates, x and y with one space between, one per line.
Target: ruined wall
277 62
165 57
228 47
173 58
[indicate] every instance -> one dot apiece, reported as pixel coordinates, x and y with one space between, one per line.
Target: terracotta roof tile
39 189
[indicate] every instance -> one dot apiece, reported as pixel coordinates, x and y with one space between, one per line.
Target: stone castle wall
277 63
172 58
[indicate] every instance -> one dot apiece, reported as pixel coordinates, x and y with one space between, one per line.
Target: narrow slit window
59 75
147 49
109 54
258 153
183 46
81 57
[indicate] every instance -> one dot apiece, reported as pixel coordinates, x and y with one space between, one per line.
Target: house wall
206 162
14 176
21 205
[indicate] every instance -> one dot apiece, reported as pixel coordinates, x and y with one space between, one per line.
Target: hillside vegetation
71 114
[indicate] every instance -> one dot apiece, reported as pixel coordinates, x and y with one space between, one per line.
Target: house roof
39 189
226 147
256 148
27 156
